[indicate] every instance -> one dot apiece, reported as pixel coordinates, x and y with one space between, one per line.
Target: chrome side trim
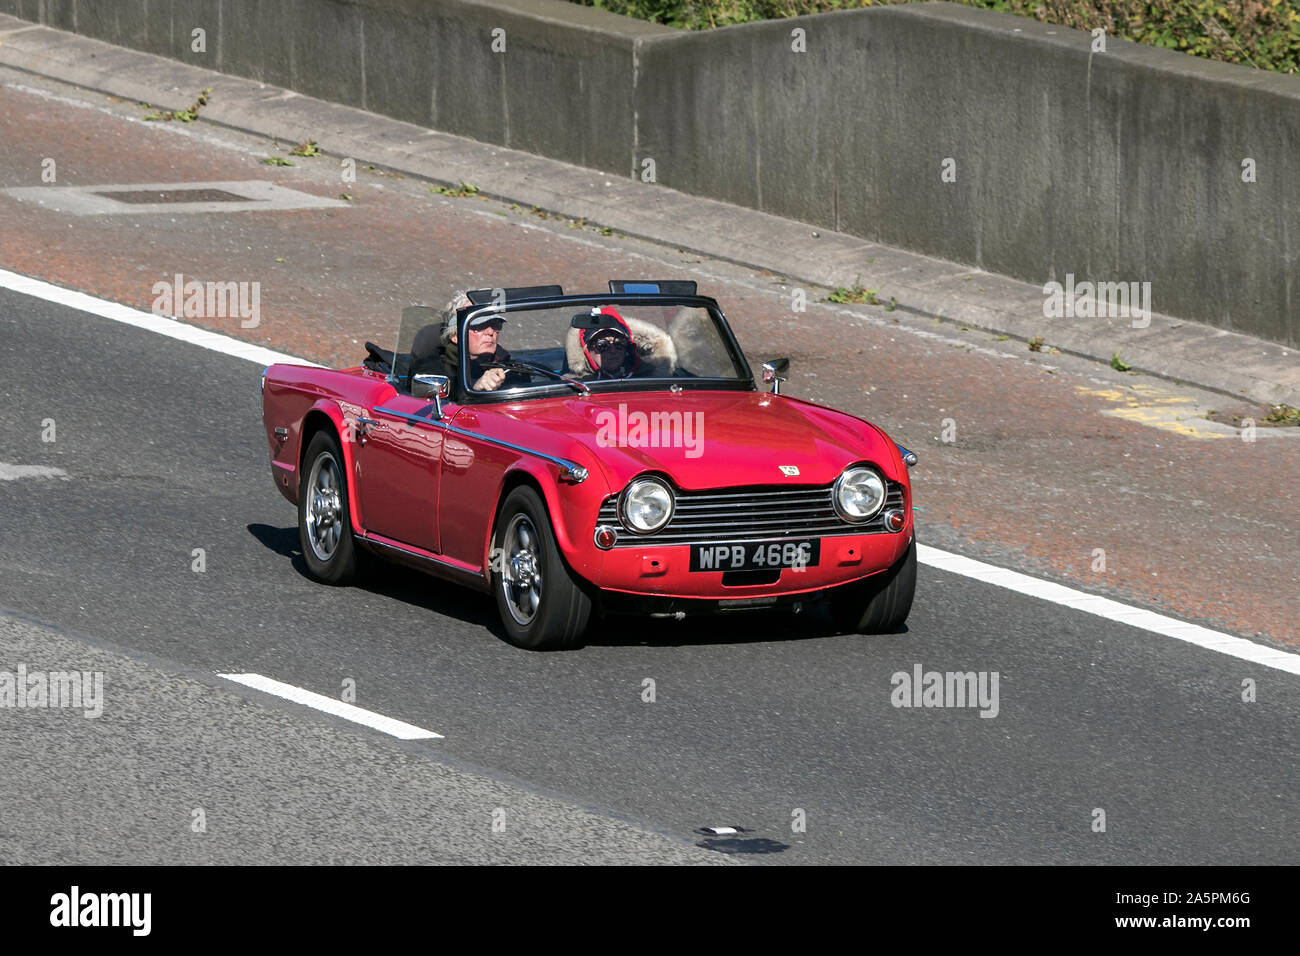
569 470
418 419
423 557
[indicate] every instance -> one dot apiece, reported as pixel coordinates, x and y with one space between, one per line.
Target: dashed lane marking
10 472
396 728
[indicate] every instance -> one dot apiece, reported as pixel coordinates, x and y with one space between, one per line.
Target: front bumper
663 571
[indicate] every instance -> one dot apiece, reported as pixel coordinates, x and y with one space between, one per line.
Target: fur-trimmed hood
653 346
699 348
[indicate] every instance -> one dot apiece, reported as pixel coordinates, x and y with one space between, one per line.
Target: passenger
608 349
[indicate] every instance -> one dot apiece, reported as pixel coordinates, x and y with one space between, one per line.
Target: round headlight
859 493
646 505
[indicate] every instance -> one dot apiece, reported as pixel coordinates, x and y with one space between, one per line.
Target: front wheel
878 604
541 603
324 522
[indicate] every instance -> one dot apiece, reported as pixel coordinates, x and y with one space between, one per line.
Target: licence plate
755 555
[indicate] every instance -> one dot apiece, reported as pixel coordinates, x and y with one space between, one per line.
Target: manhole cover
176 195
171 199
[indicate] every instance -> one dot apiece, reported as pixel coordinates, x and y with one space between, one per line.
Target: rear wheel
878 604
541 603
324 522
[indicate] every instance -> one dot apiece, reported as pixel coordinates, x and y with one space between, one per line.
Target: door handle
362 424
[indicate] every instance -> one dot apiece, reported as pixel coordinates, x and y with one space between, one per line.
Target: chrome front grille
751 514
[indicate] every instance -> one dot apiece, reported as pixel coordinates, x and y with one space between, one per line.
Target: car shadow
412 587
283 541
727 628
392 580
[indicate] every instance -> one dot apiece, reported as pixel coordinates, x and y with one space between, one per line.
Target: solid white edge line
367 718
214 341
1229 644
1067 597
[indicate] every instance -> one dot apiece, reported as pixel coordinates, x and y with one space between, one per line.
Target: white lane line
367 718
145 320
968 567
10 472
1228 644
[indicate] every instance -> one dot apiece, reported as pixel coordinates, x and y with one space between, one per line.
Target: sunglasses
496 325
610 345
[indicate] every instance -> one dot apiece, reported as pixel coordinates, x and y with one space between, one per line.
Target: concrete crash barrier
543 76
1011 145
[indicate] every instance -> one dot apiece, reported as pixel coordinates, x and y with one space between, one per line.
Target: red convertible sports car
566 452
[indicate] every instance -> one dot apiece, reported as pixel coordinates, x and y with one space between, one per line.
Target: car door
400 464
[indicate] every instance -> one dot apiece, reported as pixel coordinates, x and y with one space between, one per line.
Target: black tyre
324 522
879 604
541 603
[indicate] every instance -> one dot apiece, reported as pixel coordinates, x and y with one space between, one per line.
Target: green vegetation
1259 33
309 148
277 161
463 191
1283 415
856 295
186 115
1118 364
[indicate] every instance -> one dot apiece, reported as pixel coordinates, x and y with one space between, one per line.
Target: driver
481 333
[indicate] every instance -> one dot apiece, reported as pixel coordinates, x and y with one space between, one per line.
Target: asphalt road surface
1033 461
770 723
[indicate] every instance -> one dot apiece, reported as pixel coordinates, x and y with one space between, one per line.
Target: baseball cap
598 320
608 332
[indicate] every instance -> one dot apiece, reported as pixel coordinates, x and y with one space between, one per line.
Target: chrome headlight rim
626 493
839 484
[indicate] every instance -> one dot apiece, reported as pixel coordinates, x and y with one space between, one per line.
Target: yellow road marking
1164 418
1153 406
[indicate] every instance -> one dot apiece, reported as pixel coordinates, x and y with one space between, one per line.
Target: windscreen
600 344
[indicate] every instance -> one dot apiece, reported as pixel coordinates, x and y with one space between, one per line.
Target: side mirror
774 373
430 386
436 387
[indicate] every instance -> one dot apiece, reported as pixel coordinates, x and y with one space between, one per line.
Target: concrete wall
1116 166
428 62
